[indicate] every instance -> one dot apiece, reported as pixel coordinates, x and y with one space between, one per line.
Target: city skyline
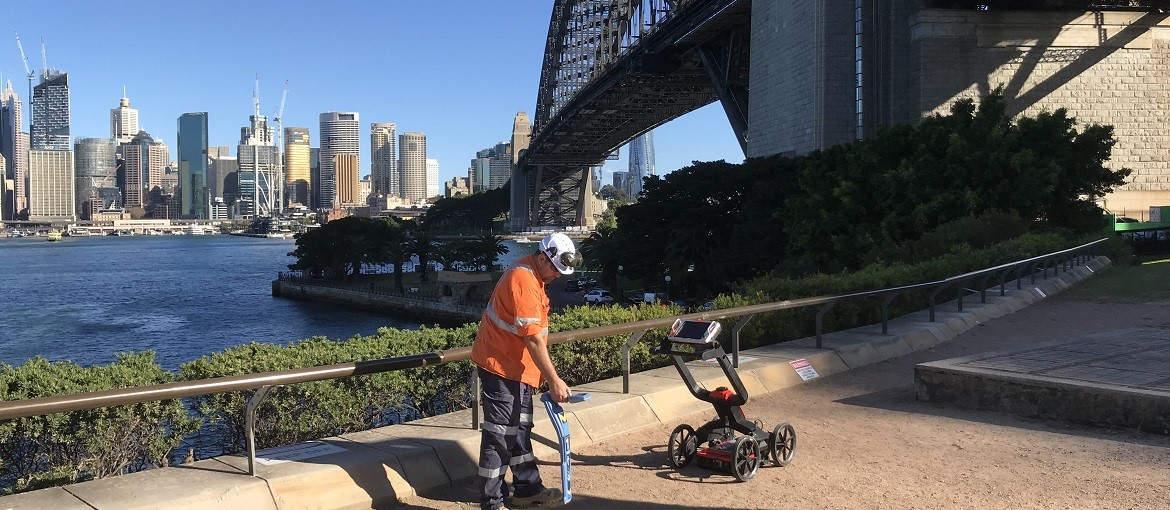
439 103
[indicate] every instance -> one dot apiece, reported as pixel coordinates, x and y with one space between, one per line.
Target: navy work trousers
506 440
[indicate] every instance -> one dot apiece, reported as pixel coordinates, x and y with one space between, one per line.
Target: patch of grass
1145 282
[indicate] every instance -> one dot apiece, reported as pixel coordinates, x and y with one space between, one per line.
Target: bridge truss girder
614 69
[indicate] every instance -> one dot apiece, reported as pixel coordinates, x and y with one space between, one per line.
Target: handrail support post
631 341
250 407
739 325
886 313
821 321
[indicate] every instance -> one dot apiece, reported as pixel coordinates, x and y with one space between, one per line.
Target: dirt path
865 442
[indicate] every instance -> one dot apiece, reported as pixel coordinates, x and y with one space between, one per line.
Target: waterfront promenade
864 439
866 442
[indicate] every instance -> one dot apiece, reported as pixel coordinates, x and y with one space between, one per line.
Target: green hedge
64 448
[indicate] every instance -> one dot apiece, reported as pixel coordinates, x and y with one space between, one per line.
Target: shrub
64 448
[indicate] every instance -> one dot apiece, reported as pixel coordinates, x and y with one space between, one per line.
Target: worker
511 353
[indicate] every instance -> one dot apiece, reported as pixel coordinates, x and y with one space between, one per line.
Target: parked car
572 286
708 306
586 283
598 297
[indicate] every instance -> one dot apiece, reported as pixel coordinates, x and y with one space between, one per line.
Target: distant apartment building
457 187
123 121
50 118
434 187
193 189
95 169
346 168
14 148
297 167
144 160
339 134
621 180
412 161
491 168
365 188
51 186
384 159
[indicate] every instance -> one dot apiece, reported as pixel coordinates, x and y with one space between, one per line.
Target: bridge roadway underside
660 79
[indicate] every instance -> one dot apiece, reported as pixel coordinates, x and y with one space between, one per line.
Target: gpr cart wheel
682 446
746 460
782 444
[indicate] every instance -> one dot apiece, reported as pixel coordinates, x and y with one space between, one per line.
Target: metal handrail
266 380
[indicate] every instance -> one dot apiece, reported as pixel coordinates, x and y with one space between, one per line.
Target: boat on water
78 232
195 230
54 236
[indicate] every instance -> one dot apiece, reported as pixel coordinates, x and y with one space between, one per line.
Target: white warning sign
804 369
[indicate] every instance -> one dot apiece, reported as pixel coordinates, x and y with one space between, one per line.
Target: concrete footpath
377 468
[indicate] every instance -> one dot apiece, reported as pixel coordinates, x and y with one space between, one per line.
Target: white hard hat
560 250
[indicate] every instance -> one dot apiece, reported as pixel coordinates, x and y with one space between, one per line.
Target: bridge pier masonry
795 76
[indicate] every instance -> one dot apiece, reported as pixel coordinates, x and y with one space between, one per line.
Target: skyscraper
221 165
339 135
348 188
315 177
5 194
491 168
14 147
412 164
123 120
193 184
51 184
641 162
144 160
434 187
384 156
258 180
50 118
521 138
297 168
501 165
94 167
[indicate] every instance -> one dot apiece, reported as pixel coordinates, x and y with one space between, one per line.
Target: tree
340 248
608 192
469 214
421 242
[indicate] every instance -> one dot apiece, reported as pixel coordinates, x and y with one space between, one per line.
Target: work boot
546 498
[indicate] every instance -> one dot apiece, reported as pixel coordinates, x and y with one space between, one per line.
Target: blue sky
458 71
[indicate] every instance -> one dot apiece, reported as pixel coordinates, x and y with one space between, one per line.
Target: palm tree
602 251
422 244
487 249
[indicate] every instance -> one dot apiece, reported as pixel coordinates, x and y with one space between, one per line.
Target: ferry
54 235
195 230
78 232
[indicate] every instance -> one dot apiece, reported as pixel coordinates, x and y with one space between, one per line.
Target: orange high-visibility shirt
518 308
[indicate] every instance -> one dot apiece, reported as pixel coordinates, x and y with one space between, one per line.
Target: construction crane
44 61
29 74
279 118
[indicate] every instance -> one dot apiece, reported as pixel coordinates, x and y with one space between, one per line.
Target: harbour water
86 299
